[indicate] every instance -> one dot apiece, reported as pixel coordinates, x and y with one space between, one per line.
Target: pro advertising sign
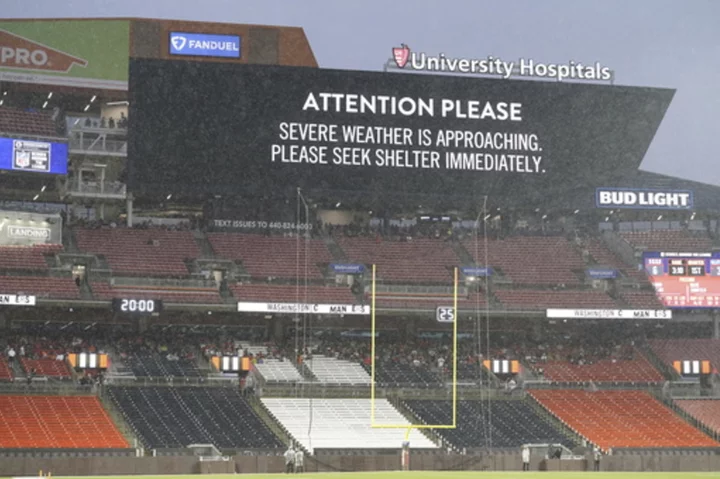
76 53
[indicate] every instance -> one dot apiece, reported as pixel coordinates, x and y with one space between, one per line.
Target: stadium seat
51 368
393 374
275 370
141 252
534 299
35 123
168 294
420 260
42 286
27 258
514 423
669 350
622 419
427 301
57 422
272 256
668 241
532 259
168 417
641 299
342 423
707 411
337 371
603 256
158 366
6 373
636 370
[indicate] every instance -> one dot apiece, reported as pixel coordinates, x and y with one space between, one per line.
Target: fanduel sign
203 45
299 308
643 199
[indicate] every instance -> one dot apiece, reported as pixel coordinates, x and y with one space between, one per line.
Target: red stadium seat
168 294
669 350
27 258
46 367
707 411
43 286
13 120
57 422
533 299
289 293
668 240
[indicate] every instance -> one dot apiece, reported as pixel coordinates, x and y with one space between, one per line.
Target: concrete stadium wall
95 466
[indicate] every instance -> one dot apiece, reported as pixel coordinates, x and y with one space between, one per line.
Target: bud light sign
203 45
643 199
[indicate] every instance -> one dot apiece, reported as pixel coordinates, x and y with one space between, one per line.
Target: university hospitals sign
407 59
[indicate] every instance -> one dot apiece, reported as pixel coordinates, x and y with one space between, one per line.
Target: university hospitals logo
22 53
401 55
178 42
524 67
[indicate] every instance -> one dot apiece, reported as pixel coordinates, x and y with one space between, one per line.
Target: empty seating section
159 366
169 295
641 299
342 423
391 374
275 370
6 373
420 260
52 368
57 422
669 350
426 301
13 120
141 252
707 411
532 259
278 293
622 419
167 417
276 256
541 299
637 370
42 286
337 371
514 423
27 258
668 240
604 257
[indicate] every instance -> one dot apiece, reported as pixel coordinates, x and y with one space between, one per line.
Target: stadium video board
228 128
685 280
33 156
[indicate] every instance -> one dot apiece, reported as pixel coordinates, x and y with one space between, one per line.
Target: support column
129 210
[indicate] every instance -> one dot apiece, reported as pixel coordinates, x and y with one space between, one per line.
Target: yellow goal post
410 427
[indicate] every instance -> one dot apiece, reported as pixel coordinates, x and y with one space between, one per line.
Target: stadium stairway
338 254
462 253
122 425
274 426
658 363
206 250
399 405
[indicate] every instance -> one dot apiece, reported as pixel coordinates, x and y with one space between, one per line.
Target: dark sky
660 43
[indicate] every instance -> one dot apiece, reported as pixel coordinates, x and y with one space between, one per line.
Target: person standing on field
289 460
526 458
299 461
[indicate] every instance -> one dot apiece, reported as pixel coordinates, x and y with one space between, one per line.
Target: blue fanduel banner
602 273
643 199
476 271
348 268
204 45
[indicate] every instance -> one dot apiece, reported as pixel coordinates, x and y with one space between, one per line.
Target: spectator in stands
597 455
111 122
123 121
289 460
103 123
526 458
11 355
299 461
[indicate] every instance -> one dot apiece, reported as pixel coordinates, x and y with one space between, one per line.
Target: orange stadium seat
27 258
264 256
532 259
668 240
540 299
13 120
51 287
57 422
622 419
707 411
420 260
6 373
141 252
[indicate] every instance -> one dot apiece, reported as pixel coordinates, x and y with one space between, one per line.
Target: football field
443 475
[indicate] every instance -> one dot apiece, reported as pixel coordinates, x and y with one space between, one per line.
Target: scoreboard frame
689 269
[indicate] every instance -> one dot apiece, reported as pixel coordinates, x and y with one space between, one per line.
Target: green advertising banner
79 53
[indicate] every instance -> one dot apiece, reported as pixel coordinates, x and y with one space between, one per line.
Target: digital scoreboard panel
685 280
137 306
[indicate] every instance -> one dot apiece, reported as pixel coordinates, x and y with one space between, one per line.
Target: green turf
443 475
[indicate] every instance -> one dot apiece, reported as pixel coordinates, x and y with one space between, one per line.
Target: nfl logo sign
401 55
445 314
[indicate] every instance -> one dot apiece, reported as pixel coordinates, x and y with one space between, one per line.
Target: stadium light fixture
168 196
576 212
87 107
44 187
5 93
544 217
45 104
94 97
1 102
50 95
36 197
659 217
607 218
487 217
337 205
116 103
